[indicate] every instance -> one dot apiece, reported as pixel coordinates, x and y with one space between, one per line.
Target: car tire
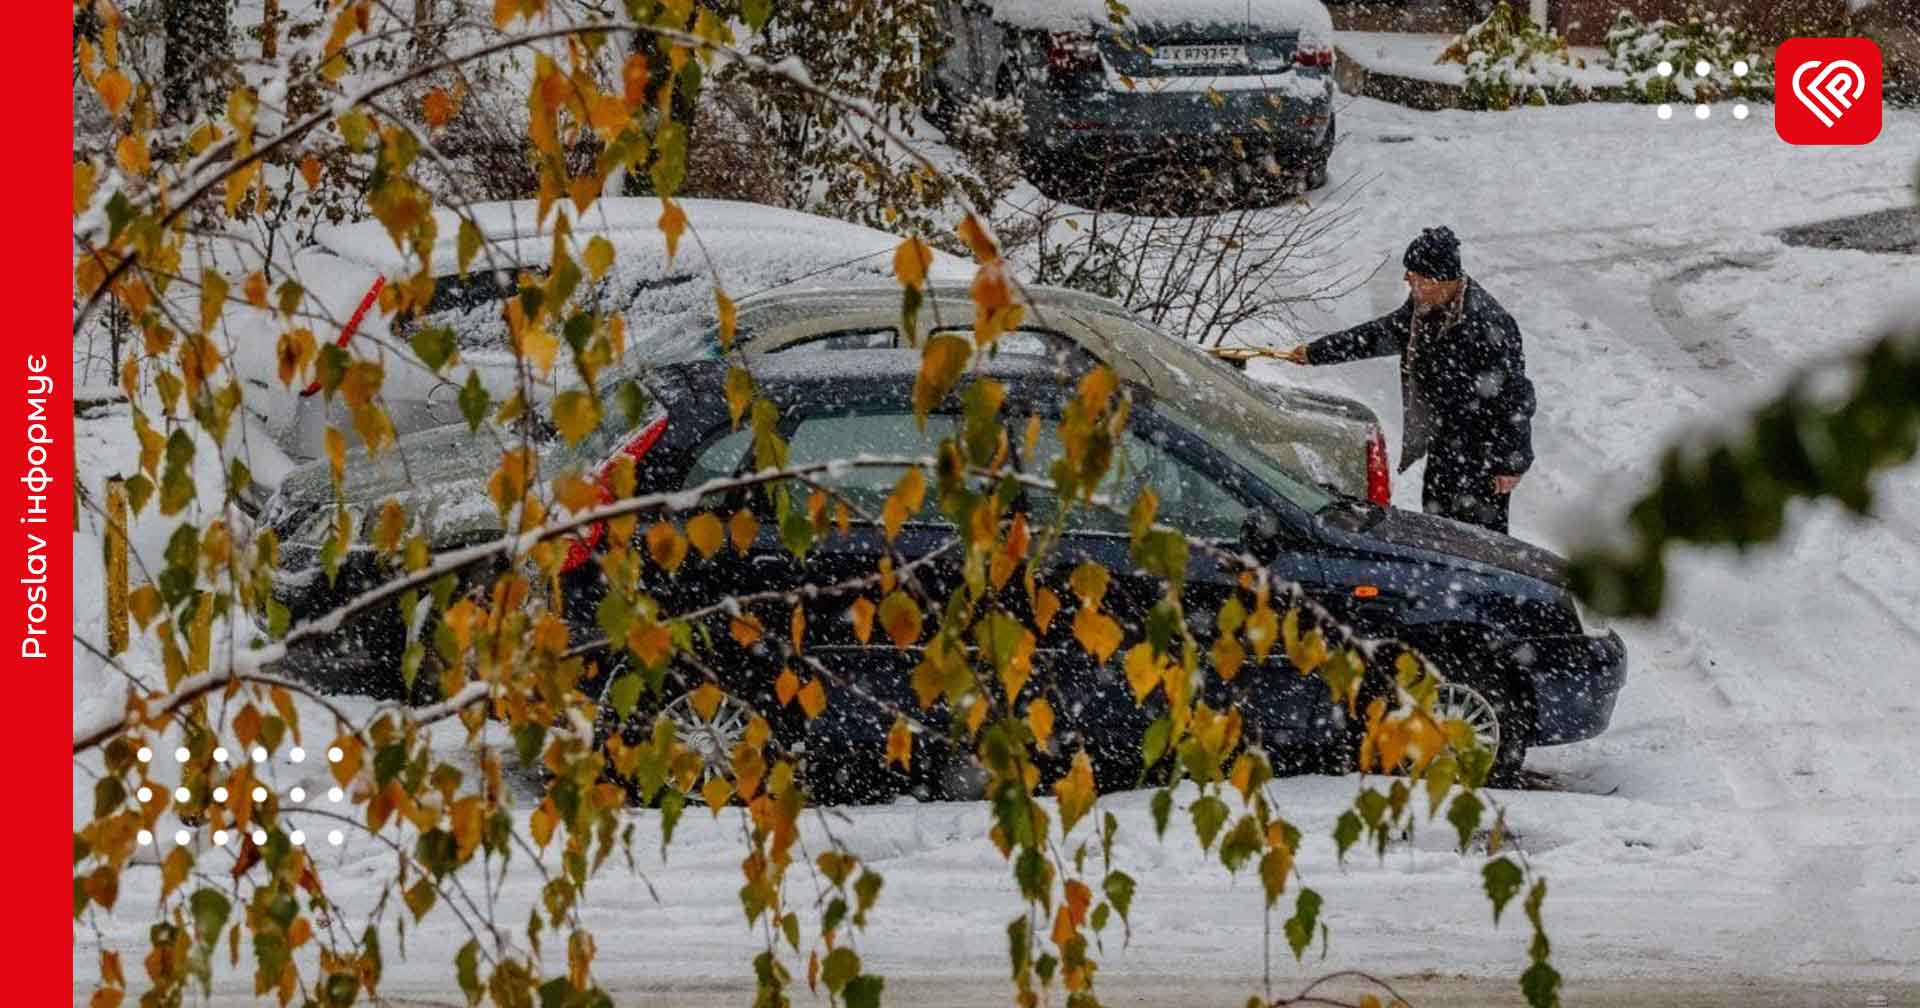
1471 680
1475 681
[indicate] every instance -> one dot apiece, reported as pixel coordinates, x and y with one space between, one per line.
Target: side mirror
1260 534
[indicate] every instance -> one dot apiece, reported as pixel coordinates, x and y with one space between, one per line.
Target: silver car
1329 440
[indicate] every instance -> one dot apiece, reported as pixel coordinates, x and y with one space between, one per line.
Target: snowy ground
1748 820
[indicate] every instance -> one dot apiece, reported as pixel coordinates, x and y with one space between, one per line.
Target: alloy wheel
1460 702
713 738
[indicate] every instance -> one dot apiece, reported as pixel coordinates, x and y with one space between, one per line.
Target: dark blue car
1491 612
1244 87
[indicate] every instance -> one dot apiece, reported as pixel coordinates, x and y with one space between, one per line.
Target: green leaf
624 693
864 991
467 965
1464 814
474 401
210 908
671 805
469 243
1346 832
670 161
1209 814
1119 889
1541 985
1300 926
1155 744
840 966
1162 807
1503 879
1240 843
756 12
434 346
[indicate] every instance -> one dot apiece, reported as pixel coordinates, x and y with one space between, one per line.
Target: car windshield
1308 497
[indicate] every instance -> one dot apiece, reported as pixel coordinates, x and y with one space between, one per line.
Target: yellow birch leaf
673 221
115 89
813 698
862 613
741 528
1143 671
1040 719
900 615
978 240
1098 633
705 700
255 289
666 546
598 257
728 318
786 686
1228 656
131 152
716 791
908 495
745 630
337 453
438 106
310 171
910 262
706 534
900 744
1045 605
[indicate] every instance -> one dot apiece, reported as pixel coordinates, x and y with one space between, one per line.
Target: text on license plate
1200 55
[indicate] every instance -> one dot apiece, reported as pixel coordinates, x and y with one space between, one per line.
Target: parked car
1522 665
668 303
1323 438
1250 83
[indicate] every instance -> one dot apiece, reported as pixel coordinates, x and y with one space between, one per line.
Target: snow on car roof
753 246
1306 16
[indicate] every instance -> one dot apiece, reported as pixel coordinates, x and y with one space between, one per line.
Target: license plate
1200 55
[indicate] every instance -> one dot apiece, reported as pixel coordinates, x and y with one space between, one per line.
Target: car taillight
581 543
1072 54
1379 474
353 324
1313 52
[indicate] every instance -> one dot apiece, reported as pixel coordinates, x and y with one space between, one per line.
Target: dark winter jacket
1463 380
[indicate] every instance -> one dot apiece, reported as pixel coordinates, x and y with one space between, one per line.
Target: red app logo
1826 91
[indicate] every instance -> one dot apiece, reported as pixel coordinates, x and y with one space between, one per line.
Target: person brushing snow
1463 382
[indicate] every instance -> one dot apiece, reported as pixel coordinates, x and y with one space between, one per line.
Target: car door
1204 494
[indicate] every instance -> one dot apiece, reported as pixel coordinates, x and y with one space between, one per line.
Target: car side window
872 338
1032 341
846 436
720 459
1191 500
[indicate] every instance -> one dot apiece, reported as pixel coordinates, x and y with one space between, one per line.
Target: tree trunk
270 29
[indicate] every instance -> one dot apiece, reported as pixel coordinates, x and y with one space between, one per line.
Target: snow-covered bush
988 133
1511 61
1637 48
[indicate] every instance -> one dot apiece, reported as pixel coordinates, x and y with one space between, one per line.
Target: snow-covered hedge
1511 61
1637 48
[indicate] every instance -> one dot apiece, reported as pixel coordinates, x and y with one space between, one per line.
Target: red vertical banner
36 376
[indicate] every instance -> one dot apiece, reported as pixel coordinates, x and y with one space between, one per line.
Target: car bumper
1290 118
1576 680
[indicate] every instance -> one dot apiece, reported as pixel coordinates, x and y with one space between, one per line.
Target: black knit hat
1435 254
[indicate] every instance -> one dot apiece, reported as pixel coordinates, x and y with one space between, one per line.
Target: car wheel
1474 689
1495 704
